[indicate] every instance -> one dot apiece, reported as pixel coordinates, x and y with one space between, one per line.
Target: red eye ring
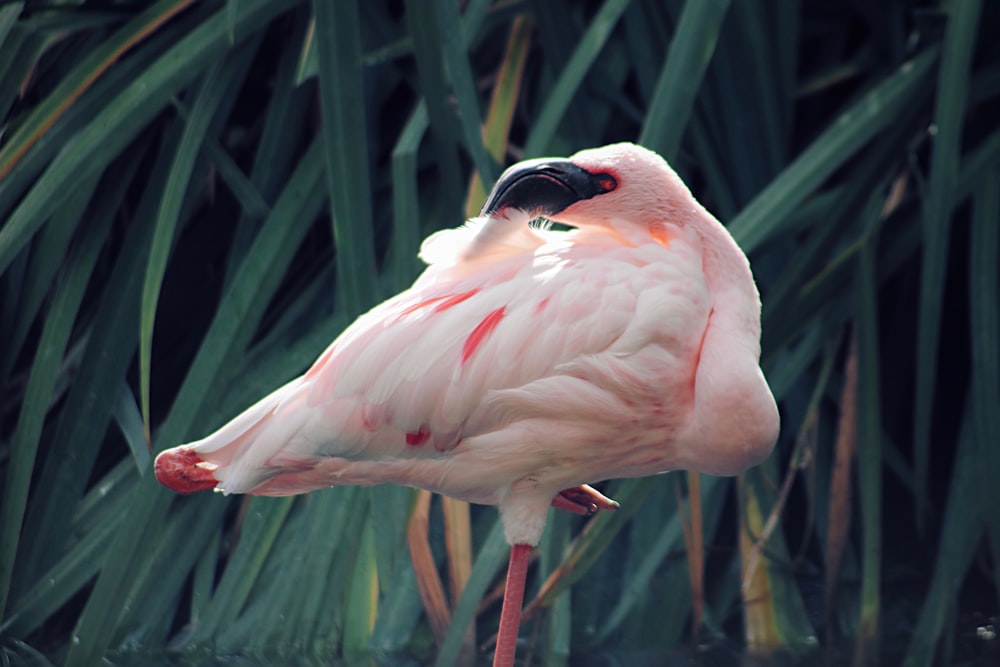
607 182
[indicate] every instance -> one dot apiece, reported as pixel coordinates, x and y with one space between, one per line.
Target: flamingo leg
513 598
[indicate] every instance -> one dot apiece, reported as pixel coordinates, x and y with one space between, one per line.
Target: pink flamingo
525 363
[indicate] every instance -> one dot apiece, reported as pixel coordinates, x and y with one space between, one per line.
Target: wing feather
395 383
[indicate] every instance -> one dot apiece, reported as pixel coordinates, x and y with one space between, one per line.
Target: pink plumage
524 362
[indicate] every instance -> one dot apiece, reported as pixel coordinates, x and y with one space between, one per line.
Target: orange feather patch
660 233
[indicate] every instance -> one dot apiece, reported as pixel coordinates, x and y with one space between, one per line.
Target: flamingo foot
583 499
513 598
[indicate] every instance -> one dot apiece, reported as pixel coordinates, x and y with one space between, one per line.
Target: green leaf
855 127
566 87
129 420
341 85
460 73
208 98
45 371
121 119
81 77
869 433
680 77
962 526
949 114
488 561
984 248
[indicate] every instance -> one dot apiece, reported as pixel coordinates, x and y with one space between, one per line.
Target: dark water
984 653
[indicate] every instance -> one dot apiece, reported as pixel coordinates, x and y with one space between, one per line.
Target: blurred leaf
82 76
362 597
687 58
869 431
424 27
119 121
561 96
496 129
775 615
425 568
488 561
949 112
460 73
129 420
458 546
346 148
961 529
984 248
41 383
841 505
208 98
850 131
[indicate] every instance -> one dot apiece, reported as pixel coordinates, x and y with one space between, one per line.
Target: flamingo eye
606 182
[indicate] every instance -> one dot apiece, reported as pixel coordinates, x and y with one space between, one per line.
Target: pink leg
513 597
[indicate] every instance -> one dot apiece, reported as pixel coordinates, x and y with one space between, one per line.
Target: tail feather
238 457
182 470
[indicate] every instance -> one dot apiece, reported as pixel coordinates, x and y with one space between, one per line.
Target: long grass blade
489 558
984 248
869 430
458 546
8 18
120 120
82 77
425 567
233 326
346 148
680 78
855 127
399 612
403 264
464 88
496 129
425 30
961 529
209 96
949 114
38 394
774 612
362 596
839 521
566 87
89 403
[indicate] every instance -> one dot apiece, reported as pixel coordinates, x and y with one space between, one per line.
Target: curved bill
545 187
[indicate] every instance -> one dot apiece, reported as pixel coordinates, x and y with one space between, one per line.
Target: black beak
545 187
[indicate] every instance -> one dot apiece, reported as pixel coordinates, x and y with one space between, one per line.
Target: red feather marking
177 469
455 299
481 332
541 305
418 438
443 302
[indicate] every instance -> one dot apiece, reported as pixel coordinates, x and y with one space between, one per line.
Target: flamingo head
596 187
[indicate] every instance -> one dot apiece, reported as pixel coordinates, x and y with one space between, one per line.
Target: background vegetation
197 196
